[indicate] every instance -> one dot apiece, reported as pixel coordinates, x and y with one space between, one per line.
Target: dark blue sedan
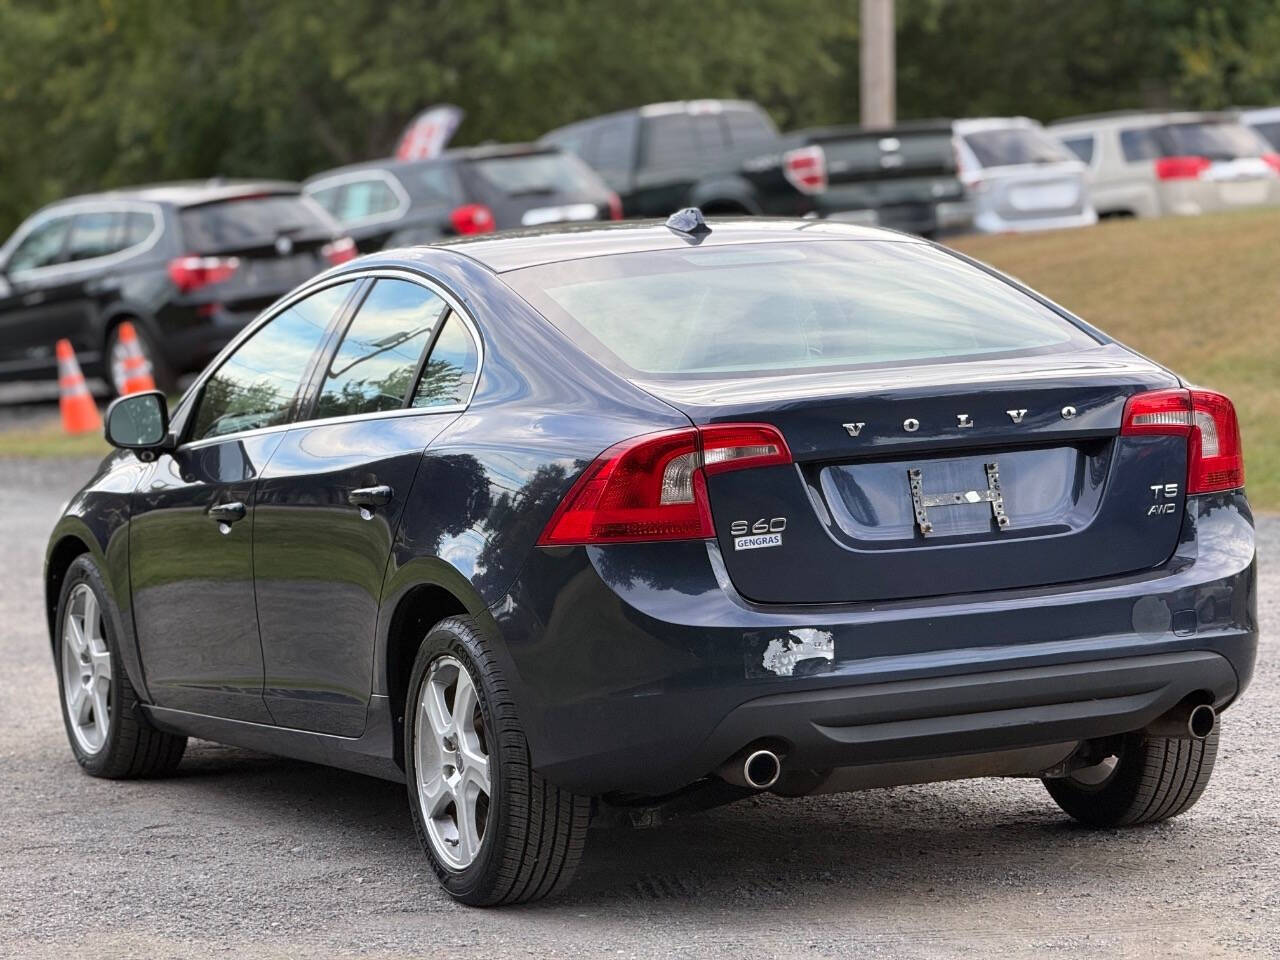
614 522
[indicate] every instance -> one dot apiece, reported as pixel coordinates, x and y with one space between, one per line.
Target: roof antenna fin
690 223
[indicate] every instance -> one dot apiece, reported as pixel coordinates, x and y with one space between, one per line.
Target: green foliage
102 93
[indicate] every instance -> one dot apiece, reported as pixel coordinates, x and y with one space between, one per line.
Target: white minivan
1019 177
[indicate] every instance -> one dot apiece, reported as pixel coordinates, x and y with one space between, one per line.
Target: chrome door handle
226 514
369 499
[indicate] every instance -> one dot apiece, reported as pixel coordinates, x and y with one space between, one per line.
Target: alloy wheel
86 670
452 764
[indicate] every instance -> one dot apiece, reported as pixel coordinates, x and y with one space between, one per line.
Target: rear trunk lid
943 479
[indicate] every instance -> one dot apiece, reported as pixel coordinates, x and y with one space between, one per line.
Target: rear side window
1140 144
380 352
1271 131
1013 145
256 386
748 128
451 369
527 175
788 306
669 140
1082 147
611 146
95 234
358 199
250 221
434 183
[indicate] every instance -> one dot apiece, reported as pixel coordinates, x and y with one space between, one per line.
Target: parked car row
189 264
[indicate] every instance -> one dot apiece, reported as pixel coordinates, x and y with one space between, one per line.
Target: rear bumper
638 669
989 221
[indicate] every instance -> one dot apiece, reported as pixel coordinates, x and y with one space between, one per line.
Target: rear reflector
654 487
192 273
472 218
1181 168
1215 457
806 169
339 251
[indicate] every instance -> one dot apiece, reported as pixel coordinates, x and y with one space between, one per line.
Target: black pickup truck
724 156
902 177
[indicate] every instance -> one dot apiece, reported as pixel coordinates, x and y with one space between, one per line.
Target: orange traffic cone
137 369
79 412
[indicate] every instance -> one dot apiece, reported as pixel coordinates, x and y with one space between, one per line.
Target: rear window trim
71 211
403 202
610 361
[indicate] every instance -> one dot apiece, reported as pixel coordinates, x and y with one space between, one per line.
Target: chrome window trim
345 179
391 273
73 209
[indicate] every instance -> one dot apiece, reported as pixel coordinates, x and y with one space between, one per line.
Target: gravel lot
243 854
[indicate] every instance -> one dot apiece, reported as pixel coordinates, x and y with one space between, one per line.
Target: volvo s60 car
618 520
189 264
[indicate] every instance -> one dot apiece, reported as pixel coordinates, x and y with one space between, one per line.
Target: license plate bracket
921 501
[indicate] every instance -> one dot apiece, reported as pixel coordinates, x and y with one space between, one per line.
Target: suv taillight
339 251
806 169
654 487
1181 168
192 273
615 206
1273 160
472 218
1215 457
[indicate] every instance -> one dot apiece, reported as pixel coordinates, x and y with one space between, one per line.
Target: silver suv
1019 177
1155 164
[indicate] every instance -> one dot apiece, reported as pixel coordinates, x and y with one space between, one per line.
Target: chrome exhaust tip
1185 722
757 769
761 769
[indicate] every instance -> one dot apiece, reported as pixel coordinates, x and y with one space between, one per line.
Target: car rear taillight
615 206
472 218
653 487
339 251
1181 168
806 169
1215 457
1273 160
192 273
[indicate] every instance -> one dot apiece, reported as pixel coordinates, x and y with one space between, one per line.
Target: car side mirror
139 421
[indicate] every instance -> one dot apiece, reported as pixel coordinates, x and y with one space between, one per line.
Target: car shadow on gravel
878 846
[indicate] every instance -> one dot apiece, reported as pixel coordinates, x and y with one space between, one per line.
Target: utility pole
879 105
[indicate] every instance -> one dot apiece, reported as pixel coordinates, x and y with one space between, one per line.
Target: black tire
132 747
534 832
161 372
1155 778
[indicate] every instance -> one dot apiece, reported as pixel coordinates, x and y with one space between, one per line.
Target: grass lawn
1198 294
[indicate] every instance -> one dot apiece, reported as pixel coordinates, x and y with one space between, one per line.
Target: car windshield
787 306
1013 145
536 173
1218 141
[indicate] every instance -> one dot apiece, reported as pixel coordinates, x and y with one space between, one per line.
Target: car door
30 305
191 531
329 503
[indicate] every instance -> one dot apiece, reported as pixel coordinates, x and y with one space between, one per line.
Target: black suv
724 156
188 263
903 177
390 203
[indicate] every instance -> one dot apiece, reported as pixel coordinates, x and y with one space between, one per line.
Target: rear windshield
915 151
1013 145
250 221
787 306
1217 141
533 174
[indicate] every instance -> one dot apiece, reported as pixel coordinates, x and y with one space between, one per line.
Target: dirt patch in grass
1198 294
